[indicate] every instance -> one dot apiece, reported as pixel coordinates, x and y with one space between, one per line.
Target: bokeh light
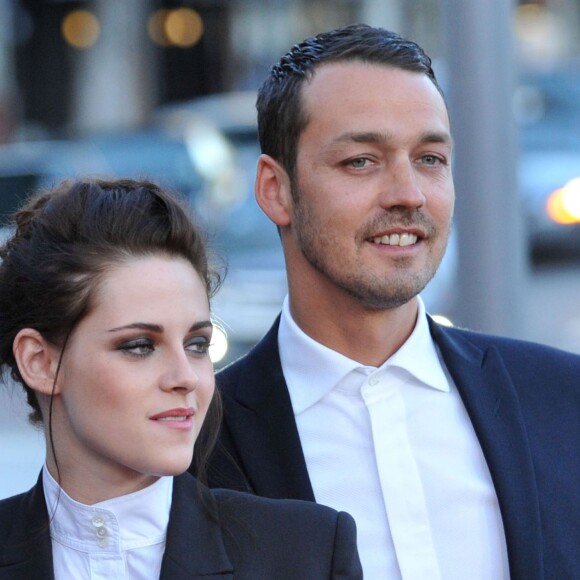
219 343
563 205
181 27
81 29
443 320
156 27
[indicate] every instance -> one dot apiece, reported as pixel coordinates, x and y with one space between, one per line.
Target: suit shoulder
229 374
8 507
229 378
268 534
258 507
262 361
16 526
518 349
8 503
541 374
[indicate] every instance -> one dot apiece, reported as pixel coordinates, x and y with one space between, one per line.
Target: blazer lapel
27 552
492 404
194 546
262 425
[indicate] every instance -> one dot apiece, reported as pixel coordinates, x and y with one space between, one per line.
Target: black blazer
523 400
250 538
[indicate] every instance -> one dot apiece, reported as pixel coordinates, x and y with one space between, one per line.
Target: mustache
399 217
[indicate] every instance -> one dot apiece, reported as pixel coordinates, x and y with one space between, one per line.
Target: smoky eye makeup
198 344
138 347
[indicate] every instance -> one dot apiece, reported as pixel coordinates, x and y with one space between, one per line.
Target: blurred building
77 65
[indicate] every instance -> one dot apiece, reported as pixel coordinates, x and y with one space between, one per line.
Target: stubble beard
370 290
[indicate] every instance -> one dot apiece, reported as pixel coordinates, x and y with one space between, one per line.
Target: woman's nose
179 374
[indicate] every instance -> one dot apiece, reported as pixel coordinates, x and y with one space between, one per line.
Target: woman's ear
37 361
273 191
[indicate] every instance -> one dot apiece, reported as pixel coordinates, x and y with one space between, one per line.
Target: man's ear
37 361
273 191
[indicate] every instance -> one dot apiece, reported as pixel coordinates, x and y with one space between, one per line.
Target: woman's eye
198 345
138 347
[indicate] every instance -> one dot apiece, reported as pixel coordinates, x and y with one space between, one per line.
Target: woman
105 321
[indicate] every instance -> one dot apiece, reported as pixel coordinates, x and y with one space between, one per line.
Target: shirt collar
312 369
129 521
419 355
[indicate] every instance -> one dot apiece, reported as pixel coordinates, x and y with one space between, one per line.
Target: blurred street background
165 89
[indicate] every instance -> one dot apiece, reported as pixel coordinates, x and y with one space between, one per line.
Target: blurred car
26 166
142 154
221 133
548 110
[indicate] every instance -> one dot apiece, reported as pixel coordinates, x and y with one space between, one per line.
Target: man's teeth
396 240
182 418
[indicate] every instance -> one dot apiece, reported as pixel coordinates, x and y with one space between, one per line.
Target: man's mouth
395 240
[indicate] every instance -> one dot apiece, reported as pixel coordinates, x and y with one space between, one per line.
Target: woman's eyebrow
158 327
201 324
140 326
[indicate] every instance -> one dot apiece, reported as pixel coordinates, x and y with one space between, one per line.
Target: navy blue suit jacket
523 400
220 534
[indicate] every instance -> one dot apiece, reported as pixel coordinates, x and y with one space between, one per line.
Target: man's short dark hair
281 118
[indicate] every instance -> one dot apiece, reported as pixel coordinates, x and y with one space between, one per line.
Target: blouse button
101 531
374 380
98 522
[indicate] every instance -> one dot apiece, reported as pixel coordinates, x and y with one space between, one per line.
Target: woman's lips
180 418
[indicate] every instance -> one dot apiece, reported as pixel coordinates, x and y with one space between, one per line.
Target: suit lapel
194 547
263 428
492 404
27 552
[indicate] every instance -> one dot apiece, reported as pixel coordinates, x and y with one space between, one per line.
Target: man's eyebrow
436 137
378 137
159 328
362 137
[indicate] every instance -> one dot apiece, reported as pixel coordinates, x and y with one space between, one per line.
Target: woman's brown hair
63 242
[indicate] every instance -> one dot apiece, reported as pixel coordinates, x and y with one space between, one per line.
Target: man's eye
359 162
431 160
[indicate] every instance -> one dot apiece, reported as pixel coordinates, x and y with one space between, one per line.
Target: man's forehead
350 74
356 95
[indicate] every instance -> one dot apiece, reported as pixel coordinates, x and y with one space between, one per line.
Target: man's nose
401 187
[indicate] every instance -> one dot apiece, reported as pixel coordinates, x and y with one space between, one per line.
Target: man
455 452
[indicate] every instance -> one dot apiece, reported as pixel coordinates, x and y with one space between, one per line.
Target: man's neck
369 336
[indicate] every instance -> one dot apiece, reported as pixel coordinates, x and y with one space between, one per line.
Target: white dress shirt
395 448
120 538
